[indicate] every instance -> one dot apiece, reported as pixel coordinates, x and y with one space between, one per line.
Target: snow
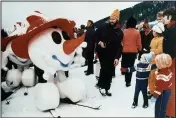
119 105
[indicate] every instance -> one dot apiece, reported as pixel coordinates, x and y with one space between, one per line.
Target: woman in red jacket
131 46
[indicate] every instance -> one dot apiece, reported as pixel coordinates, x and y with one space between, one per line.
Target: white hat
159 28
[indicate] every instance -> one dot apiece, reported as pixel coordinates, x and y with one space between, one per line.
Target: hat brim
5 41
20 44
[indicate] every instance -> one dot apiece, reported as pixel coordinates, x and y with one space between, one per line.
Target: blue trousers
161 104
141 85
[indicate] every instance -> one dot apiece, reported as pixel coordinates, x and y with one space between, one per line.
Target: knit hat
131 22
159 28
116 13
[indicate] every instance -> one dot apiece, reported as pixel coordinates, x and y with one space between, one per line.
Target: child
143 69
163 84
157 48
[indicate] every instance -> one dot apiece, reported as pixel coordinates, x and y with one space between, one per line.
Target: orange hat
116 13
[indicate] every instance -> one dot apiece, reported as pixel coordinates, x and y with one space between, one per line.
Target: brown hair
170 12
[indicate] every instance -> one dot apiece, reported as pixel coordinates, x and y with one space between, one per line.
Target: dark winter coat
90 38
169 47
146 40
169 42
112 38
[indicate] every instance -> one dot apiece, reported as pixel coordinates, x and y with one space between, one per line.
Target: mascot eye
56 37
65 35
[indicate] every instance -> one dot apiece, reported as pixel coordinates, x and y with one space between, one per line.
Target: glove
123 69
153 99
149 56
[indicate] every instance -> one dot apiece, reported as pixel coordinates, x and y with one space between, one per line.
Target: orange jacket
131 41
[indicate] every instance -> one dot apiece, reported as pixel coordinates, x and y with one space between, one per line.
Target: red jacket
131 41
163 81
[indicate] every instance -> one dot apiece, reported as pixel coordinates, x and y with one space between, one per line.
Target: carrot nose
70 45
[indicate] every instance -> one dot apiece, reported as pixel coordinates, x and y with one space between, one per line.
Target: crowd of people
110 43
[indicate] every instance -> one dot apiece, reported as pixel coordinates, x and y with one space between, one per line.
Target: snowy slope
119 105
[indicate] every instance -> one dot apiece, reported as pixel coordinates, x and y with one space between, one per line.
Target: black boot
134 105
108 93
145 105
88 73
128 84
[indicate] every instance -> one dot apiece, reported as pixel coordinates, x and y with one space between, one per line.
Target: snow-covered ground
119 105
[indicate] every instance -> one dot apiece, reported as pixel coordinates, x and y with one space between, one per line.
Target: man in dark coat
109 51
169 47
90 40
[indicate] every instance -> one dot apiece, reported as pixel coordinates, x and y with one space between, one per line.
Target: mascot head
50 44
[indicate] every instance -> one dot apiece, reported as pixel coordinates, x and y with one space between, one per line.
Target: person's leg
109 73
144 84
130 63
90 68
113 74
136 94
102 69
161 104
124 64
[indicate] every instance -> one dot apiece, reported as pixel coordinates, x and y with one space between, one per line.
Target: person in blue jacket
142 69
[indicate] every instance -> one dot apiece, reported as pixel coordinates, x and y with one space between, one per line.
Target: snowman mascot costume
22 73
50 45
